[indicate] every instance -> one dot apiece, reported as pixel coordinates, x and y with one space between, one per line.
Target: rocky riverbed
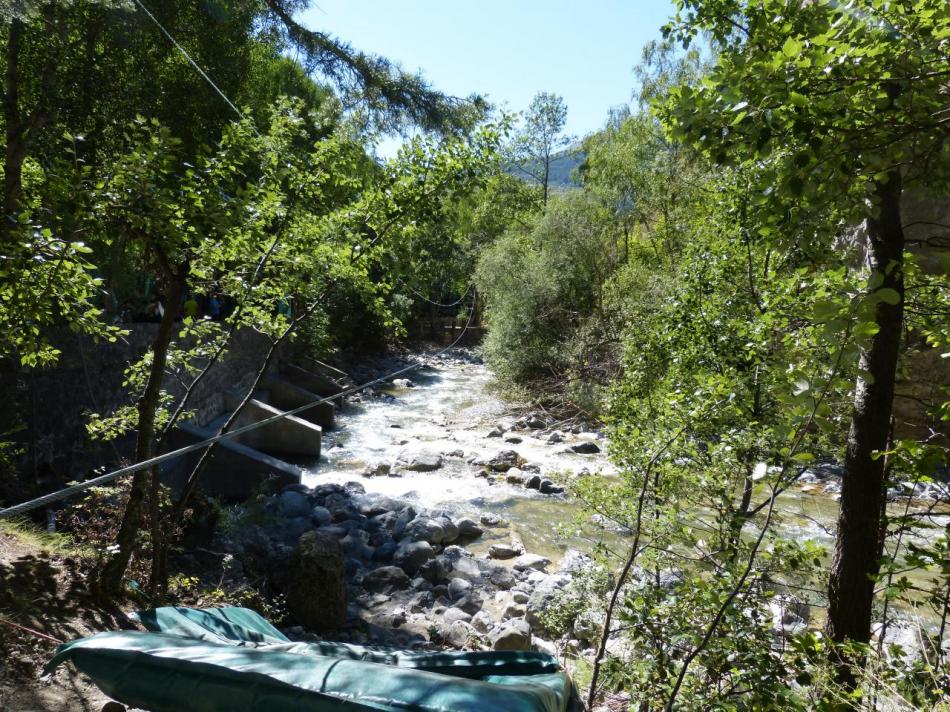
437 517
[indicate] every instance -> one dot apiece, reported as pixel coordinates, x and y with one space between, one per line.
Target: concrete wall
53 403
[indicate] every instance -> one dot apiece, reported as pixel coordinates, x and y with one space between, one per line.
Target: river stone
459 587
385 578
316 590
422 601
505 460
502 578
515 634
424 529
354 545
513 439
471 604
514 610
482 622
515 476
555 438
495 433
455 614
459 634
411 555
450 530
531 561
321 516
493 520
585 448
533 482
403 383
423 462
468 529
436 569
548 487
519 596
385 551
294 504
502 551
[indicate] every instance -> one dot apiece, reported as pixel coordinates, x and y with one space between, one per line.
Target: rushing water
449 412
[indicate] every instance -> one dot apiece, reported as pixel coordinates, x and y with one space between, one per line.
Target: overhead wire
187 56
80 487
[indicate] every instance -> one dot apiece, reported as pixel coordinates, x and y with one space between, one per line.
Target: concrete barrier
317 383
288 436
287 396
236 471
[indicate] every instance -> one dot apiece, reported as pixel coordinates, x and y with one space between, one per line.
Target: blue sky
509 51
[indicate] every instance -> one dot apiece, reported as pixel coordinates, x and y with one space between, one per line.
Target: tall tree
540 138
848 104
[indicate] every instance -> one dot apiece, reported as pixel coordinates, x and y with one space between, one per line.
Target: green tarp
232 659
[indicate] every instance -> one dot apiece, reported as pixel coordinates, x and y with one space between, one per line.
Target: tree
540 139
846 104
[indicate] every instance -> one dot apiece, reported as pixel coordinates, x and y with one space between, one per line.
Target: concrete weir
236 471
241 465
288 436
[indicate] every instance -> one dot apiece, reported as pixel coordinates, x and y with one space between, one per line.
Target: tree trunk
110 579
857 551
15 150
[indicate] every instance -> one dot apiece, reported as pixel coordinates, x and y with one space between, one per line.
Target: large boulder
315 588
504 461
385 578
411 555
294 504
585 448
514 634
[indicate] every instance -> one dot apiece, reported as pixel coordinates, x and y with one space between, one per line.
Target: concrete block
311 381
288 436
287 396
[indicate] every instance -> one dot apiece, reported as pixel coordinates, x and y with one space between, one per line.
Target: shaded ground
46 591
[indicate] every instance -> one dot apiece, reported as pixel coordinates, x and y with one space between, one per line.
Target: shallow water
449 412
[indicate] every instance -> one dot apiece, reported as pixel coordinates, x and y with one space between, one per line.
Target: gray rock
468 529
548 487
436 569
321 516
513 635
514 610
384 552
471 604
502 551
459 587
424 529
459 634
513 439
411 555
585 448
315 589
519 596
422 601
450 530
495 433
574 561
385 578
533 482
504 461
531 561
294 504
502 578
555 438
482 622
423 462
493 520
455 614
354 545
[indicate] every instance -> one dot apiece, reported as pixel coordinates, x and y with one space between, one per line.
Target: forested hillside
738 287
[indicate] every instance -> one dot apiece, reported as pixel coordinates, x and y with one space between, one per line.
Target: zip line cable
190 60
67 492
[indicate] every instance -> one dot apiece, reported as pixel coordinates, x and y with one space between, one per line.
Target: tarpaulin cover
212 660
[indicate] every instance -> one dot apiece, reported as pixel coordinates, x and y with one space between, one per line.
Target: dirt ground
47 592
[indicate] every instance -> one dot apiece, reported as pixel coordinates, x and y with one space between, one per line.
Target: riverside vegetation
746 291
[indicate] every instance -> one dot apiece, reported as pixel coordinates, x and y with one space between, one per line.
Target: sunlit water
449 412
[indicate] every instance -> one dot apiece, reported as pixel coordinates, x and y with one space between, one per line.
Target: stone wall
54 403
